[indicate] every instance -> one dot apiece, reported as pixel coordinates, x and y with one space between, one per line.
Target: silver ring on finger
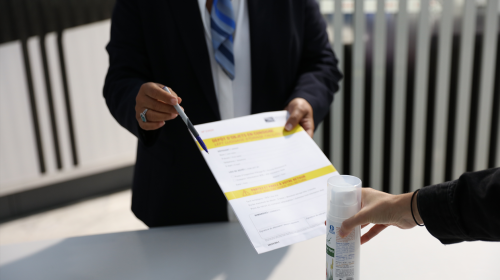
143 115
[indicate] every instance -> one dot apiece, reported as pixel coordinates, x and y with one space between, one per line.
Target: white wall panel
86 106
337 108
99 137
399 100
464 89
18 153
442 92
486 87
378 99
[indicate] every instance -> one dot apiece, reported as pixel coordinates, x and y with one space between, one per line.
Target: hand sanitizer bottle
342 254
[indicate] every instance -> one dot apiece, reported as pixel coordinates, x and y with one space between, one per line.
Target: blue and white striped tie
223 27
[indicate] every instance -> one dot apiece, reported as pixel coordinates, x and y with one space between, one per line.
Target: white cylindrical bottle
342 254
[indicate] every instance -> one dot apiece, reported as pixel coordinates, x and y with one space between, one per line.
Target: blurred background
419 105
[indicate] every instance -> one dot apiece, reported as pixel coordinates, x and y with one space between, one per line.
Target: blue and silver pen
188 123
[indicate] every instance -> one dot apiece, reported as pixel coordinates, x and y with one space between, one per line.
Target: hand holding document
274 179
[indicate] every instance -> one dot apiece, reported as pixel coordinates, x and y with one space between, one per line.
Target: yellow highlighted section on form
249 136
281 184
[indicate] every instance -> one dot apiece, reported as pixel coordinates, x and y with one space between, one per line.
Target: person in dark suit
222 59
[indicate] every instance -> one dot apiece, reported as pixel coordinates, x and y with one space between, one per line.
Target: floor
110 213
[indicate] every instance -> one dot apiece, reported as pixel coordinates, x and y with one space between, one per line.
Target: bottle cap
345 196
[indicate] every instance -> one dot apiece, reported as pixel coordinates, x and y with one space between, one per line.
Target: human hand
159 103
383 210
301 113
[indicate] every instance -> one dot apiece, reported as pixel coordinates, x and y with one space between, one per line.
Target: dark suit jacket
163 41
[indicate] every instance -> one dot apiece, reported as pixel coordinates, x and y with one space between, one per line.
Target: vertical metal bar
318 136
399 100
326 135
47 20
420 99
357 107
431 100
497 144
497 148
495 116
474 91
388 99
347 92
464 82
42 104
58 96
452 97
337 108
368 89
50 101
442 92
69 113
486 87
377 118
410 94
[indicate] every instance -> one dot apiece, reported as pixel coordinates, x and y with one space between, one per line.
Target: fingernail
288 127
341 232
174 101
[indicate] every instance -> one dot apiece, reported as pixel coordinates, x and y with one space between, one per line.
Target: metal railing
420 101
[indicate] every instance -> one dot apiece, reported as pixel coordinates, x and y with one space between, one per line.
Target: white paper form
275 180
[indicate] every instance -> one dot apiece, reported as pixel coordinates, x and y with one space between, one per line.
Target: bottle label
340 254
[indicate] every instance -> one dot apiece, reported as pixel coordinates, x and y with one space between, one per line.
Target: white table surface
222 251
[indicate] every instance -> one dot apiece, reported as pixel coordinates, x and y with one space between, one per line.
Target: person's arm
466 209
318 77
127 89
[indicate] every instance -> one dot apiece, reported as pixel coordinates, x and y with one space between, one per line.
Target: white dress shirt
233 96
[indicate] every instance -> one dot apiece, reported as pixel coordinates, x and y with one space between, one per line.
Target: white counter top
222 251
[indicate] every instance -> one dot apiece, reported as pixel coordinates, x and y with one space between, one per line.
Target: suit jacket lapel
190 26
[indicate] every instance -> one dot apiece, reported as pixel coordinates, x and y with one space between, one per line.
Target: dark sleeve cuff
147 137
320 107
435 207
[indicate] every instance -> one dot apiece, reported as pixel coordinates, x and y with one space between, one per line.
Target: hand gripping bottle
342 254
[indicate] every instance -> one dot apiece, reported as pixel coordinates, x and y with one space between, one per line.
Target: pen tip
198 138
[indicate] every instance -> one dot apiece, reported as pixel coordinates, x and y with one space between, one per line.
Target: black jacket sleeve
128 68
319 75
467 209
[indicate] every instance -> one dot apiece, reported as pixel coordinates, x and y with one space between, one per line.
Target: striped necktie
223 27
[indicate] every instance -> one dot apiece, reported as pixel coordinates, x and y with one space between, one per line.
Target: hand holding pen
188 123
154 106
